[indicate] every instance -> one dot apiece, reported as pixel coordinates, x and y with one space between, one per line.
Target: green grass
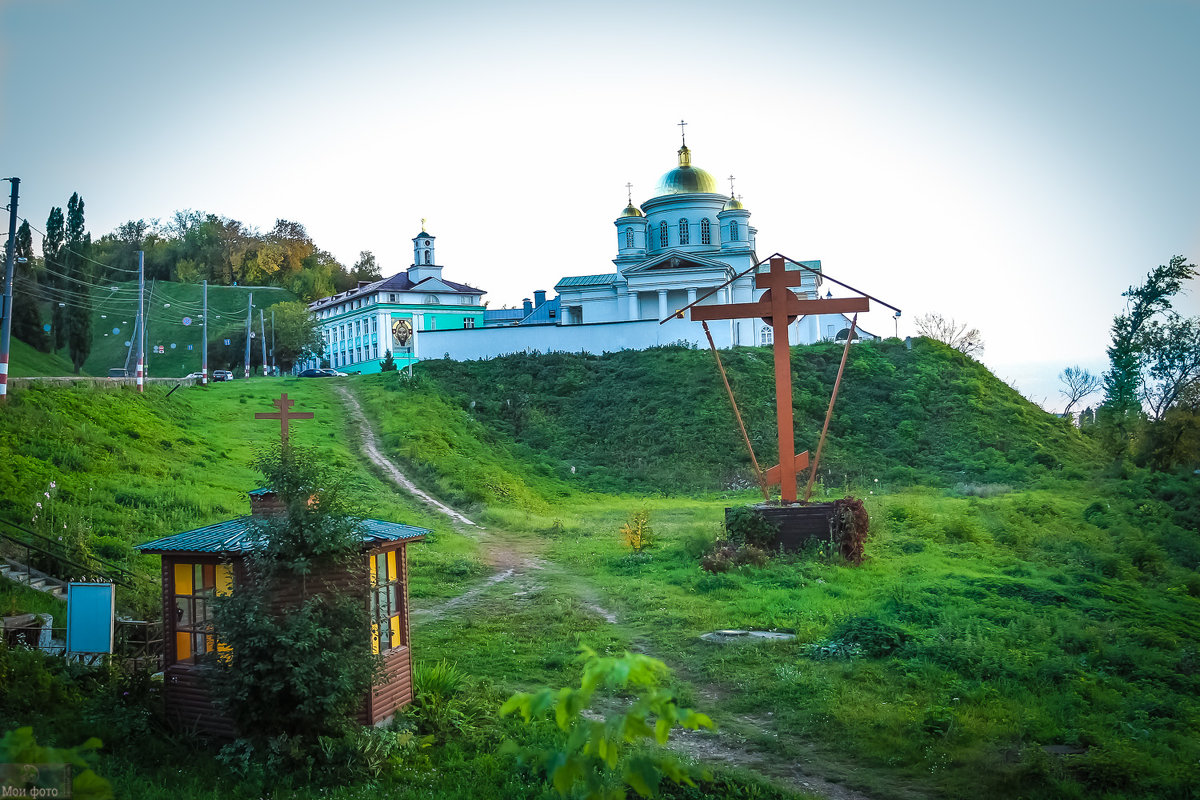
27 362
987 623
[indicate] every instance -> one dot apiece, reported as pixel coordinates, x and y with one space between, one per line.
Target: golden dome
733 204
631 211
686 179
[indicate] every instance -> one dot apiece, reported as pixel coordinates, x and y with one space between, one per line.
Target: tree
365 269
389 363
297 335
52 257
1134 339
27 316
79 321
295 660
1170 362
967 341
1077 383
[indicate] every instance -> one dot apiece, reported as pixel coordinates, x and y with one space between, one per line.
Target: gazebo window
387 603
684 237
195 587
662 234
705 232
629 237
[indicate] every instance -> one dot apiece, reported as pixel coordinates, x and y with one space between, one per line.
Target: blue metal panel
91 617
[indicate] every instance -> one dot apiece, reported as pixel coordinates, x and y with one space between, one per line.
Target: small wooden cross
283 415
778 306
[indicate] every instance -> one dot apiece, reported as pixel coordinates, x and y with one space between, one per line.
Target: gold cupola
686 179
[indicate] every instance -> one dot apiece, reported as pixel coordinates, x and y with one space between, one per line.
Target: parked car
316 373
222 375
334 373
191 375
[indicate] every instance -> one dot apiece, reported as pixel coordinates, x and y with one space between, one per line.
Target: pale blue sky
1013 164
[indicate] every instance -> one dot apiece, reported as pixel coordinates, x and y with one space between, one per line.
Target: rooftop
239 536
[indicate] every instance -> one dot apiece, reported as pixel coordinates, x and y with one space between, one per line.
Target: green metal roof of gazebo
236 536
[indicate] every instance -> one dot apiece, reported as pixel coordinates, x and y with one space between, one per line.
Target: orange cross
283 415
778 307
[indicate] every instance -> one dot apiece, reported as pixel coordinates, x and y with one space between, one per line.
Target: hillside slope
659 420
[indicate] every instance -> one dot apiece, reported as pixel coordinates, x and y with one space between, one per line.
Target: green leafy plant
19 747
744 525
636 533
598 749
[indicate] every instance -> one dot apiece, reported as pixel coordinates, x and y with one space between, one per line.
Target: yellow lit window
387 597
195 587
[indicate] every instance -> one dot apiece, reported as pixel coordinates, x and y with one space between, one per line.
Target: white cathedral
684 244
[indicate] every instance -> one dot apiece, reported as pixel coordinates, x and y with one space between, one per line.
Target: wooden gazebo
207 562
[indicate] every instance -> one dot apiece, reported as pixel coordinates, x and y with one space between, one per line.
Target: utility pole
141 323
249 329
7 302
204 341
262 333
272 339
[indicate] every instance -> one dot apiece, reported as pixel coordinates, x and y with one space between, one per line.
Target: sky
1012 165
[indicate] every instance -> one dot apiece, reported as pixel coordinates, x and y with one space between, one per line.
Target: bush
636 533
726 555
744 525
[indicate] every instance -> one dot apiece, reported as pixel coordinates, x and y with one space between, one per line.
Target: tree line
52 291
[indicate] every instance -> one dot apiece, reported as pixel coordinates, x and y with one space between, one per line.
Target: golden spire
422 224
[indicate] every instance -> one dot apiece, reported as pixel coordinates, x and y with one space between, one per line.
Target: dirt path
372 451
516 559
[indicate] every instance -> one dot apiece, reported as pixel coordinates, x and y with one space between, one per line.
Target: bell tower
424 262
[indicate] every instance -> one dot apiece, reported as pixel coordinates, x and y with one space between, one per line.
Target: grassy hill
168 304
659 420
28 362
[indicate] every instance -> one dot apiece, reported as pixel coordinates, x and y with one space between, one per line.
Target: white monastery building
686 243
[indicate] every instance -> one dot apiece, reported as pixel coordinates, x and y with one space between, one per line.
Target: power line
81 255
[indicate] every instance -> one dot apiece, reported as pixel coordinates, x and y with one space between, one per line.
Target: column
633 304
662 304
691 295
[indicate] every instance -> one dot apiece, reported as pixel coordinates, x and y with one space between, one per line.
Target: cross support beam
777 307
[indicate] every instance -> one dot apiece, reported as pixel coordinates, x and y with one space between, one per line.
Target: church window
766 336
431 300
733 230
391 298
427 261
662 234
684 236
387 602
629 237
468 322
705 232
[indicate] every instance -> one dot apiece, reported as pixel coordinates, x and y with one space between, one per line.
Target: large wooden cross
778 306
283 415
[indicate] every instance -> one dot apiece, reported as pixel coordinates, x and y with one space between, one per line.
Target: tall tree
52 255
1121 411
27 316
366 268
79 321
296 333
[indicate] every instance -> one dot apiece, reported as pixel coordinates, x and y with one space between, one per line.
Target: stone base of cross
778 307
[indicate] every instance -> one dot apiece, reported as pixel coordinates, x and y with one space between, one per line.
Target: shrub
636 533
726 555
875 637
744 525
853 524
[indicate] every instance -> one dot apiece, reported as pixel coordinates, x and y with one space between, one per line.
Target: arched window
766 336
629 237
705 232
432 300
426 256
684 236
662 234
733 230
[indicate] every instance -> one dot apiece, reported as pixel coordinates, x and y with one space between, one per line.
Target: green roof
588 280
237 536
